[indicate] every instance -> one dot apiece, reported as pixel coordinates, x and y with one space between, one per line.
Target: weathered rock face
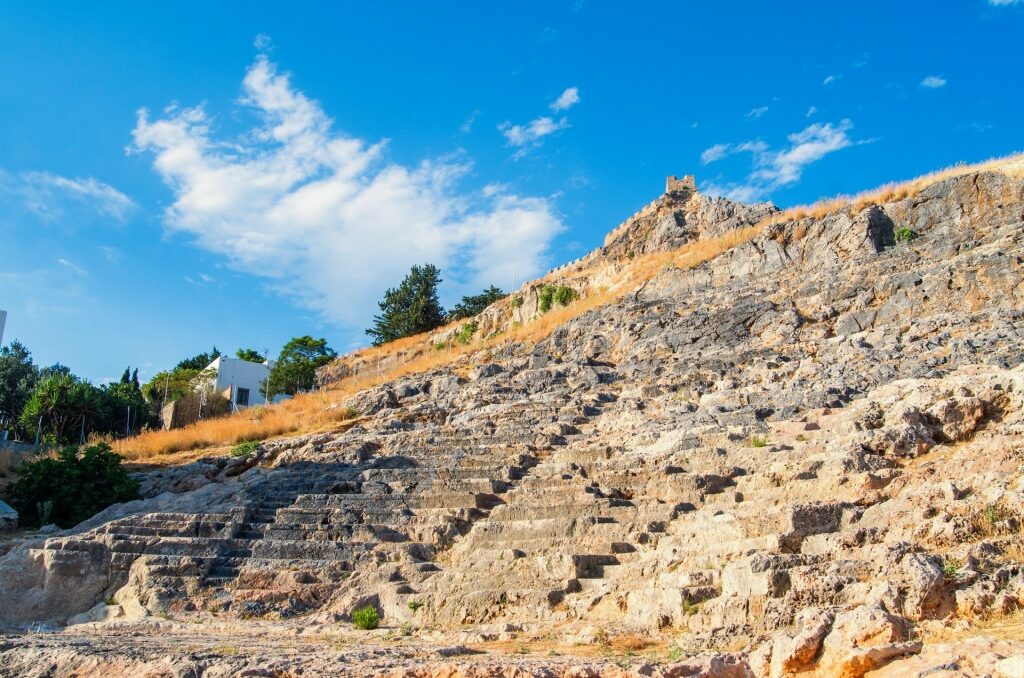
796 456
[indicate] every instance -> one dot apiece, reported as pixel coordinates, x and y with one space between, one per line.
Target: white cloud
71 266
467 125
1004 2
566 100
50 195
325 216
535 130
776 169
757 112
829 79
811 111
713 153
933 82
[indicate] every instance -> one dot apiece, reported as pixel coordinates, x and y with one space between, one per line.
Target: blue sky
178 175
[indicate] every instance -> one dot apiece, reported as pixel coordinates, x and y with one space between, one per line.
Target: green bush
245 448
70 487
552 294
904 234
366 618
516 302
415 605
758 441
466 332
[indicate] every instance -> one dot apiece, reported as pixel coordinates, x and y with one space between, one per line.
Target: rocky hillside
804 456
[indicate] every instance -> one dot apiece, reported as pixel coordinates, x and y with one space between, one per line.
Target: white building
240 381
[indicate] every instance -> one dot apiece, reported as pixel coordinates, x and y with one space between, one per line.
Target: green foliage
951 568
466 332
904 234
250 354
62 402
472 305
245 448
200 361
690 607
516 302
411 308
758 441
297 364
170 385
555 294
440 346
18 377
72 486
366 618
415 605
631 254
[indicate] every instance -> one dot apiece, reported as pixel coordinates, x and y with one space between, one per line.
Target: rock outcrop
805 456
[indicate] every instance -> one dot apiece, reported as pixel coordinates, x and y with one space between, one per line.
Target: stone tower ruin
680 189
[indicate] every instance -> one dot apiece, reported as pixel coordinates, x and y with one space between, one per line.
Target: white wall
234 374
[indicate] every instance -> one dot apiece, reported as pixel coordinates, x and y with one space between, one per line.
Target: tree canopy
18 377
295 369
200 361
474 304
410 308
250 354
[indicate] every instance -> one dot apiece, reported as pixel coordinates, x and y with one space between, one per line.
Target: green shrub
904 234
950 568
516 302
366 618
72 486
415 605
758 441
466 332
552 294
631 254
245 448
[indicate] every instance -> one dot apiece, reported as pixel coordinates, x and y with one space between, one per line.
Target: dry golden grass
416 354
312 411
1011 165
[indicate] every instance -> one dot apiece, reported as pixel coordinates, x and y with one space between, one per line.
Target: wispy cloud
829 79
811 111
774 169
50 196
566 100
1005 2
525 137
71 266
757 112
467 125
325 216
933 82
716 152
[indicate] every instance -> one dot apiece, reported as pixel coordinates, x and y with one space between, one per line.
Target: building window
242 397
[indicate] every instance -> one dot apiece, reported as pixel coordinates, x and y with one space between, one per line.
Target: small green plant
366 618
406 629
110 601
466 332
758 441
690 607
555 294
516 302
440 346
675 654
244 448
904 234
950 568
993 515
415 605
631 254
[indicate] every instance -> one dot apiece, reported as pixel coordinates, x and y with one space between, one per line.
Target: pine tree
474 304
411 308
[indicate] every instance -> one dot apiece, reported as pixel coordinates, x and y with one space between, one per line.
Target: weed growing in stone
366 619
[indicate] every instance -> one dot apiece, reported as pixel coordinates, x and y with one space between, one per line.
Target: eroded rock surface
785 461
